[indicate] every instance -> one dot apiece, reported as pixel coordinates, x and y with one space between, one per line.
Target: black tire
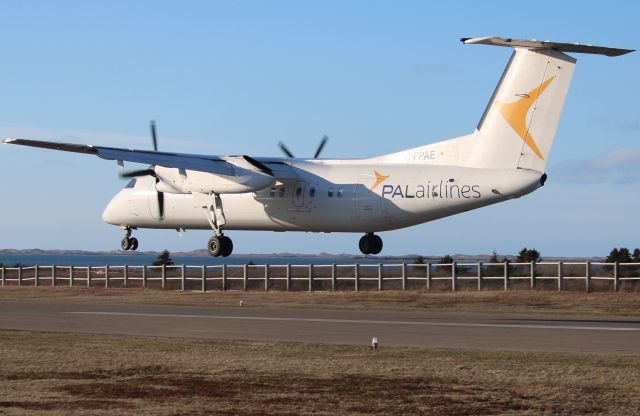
365 244
125 244
377 244
214 246
227 246
133 242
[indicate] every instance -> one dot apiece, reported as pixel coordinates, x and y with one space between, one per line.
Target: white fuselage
331 196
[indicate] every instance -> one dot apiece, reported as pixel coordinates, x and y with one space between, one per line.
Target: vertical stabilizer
520 122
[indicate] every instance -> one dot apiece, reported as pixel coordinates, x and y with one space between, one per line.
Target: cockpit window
131 183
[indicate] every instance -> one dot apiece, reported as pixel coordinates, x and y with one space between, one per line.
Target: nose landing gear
220 246
370 244
128 242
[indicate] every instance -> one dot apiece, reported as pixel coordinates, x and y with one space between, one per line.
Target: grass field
600 303
61 374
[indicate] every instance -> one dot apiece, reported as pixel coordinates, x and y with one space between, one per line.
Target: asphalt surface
433 330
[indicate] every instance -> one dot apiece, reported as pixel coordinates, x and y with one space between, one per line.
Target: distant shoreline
203 253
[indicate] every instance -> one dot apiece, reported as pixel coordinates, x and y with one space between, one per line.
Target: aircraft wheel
133 243
125 244
227 246
377 244
365 244
214 246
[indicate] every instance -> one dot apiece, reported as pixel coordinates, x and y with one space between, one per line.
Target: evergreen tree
636 255
621 255
494 257
528 255
446 259
164 259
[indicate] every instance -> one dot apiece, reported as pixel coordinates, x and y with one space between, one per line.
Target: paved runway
434 330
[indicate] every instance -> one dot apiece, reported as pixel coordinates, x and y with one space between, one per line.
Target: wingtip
9 140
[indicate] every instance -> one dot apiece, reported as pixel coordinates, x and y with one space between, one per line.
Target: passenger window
312 191
131 183
281 192
298 192
330 193
272 192
340 192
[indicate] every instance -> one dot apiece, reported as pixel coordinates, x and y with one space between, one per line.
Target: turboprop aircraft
504 158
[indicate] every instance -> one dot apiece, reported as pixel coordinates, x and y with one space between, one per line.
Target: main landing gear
370 244
128 242
220 246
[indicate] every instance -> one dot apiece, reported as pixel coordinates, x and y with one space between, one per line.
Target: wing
202 163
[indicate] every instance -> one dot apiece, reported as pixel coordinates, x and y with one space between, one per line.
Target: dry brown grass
62 374
543 302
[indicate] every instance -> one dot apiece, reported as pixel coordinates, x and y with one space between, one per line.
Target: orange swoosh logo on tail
516 114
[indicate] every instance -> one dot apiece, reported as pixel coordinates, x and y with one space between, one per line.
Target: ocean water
141 259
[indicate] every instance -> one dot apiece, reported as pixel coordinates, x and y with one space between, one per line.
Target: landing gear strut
128 242
370 244
220 246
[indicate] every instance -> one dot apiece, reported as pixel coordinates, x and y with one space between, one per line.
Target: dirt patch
62 374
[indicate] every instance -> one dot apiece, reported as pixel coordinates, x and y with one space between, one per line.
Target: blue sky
377 77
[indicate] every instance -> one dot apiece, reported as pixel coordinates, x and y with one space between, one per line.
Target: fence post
587 277
453 276
204 278
404 276
310 277
19 275
288 277
380 277
106 276
3 272
182 276
333 277
53 275
479 276
126 275
70 275
224 277
266 277
506 275
37 276
356 279
144 275
616 277
428 276
560 276
164 275
245 276
88 276
533 275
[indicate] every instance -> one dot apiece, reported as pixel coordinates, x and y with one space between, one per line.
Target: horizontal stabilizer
537 44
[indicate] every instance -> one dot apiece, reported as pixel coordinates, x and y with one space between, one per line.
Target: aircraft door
367 203
298 194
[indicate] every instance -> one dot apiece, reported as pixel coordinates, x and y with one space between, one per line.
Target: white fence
479 276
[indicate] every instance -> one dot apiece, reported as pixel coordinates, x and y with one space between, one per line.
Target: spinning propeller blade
323 142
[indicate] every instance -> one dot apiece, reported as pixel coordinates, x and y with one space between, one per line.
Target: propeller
287 152
153 135
149 171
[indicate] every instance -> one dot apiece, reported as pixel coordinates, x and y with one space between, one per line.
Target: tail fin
520 122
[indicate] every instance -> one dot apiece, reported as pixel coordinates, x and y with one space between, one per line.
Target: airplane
504 158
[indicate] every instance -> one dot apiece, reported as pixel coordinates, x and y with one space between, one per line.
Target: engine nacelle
180 181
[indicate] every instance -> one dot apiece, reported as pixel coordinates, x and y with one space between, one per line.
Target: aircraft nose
111 213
